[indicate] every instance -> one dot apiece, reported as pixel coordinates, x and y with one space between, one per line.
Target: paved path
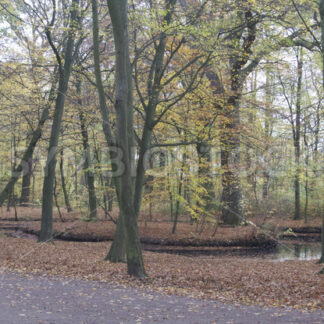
52 300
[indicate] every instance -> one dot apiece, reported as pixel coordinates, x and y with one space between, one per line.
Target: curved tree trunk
119 239
46 233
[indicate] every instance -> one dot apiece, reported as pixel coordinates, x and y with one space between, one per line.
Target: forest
171 145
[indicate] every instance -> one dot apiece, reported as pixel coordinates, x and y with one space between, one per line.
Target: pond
282 252
309 251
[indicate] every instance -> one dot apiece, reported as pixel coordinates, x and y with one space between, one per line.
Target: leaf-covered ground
156 232
153 232
238 280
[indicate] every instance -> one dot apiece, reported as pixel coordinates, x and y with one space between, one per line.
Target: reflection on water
297 252
281 252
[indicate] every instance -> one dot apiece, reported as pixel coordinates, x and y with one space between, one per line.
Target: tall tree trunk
104 182
87 159
169 187
205 175
232 213
25 186
110 195
86 166
321 260
176 216
297 214
65 193
149 187
265 185
117 251
154 90
321 9
56 200
33 188
267 134
76 187
125 135
46 233
306 174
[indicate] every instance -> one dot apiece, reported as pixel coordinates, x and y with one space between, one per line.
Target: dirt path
35 299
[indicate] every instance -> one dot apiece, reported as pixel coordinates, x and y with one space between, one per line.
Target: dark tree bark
232 212
170 191
110 195
56 201
229 106
267 133
149 186
46 233
25 186
117 251
86 166
321 260
89 176
76 180
63 184
297 214
321 9
306 172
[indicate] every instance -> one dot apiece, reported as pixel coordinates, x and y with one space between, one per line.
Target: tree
240 49
321 10
64 71
125 135
149 102
124 139
89 176
26 41
295 121
242 56
27 156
